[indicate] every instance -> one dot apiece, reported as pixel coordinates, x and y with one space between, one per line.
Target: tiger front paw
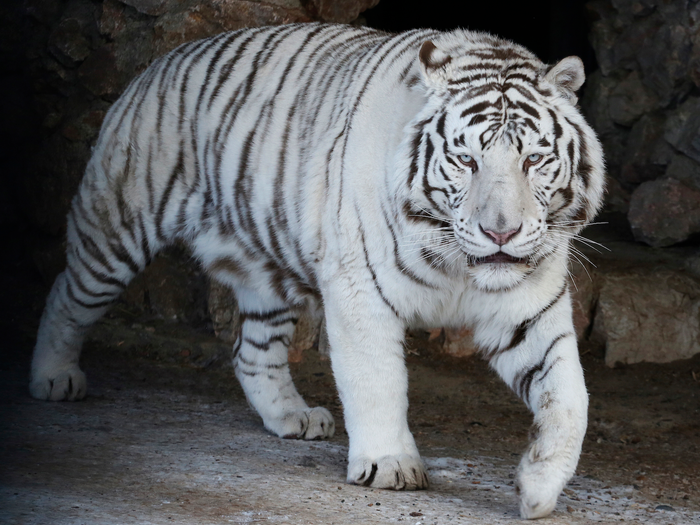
401 472
539 483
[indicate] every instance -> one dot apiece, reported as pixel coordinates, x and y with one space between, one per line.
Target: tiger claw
402 472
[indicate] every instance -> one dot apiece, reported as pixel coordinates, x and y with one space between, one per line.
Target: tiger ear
432 64
568 76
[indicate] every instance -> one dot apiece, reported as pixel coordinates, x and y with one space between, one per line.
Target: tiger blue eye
467 160
534 157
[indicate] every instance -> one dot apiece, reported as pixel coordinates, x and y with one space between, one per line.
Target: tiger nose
501 238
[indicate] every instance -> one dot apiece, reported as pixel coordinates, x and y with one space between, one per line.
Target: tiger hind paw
65 385
308 423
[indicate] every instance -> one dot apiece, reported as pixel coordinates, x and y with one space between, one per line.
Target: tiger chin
423 178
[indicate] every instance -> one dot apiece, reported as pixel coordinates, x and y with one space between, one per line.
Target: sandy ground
166 436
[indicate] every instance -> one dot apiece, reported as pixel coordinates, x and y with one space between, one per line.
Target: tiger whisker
583 240
590 243
429 233
584 268
571 277
425 243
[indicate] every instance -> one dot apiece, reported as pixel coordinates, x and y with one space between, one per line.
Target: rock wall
651 316
643 309
644 101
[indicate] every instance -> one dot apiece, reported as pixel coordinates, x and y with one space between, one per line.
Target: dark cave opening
551 29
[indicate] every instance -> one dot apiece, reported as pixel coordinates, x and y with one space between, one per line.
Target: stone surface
651 315
149 7
100 74
649 58
340 11
306 335
459 342
172 287
694 62
678 118
630 100
634 7
595 106
684 170
617 198
68 43
632 34
192 19
112 18
223 311
225 317
647 151
602 34
72 39
663 60
664 212
692 265
687 139
583 295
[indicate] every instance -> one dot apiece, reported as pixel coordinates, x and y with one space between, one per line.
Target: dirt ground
165 436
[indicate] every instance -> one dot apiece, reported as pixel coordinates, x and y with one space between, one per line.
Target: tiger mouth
500 257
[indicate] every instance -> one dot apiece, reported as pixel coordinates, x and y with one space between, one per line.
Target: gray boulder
663 212
648 315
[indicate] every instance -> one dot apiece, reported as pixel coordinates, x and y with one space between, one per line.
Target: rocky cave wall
644 101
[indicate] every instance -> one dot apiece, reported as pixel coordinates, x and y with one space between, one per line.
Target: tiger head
503 166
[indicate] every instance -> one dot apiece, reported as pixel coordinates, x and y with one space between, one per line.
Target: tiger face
503 161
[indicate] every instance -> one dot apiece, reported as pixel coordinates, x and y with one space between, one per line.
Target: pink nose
501 238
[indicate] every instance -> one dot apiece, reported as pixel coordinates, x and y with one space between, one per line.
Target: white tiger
423 178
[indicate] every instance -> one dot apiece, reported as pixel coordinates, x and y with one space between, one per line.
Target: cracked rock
648 315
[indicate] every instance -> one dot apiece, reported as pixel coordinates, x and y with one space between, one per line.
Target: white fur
306 184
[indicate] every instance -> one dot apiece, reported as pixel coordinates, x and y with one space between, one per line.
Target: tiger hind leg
260 363
100 263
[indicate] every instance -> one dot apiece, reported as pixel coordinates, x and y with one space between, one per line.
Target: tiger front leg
366 338
545 371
